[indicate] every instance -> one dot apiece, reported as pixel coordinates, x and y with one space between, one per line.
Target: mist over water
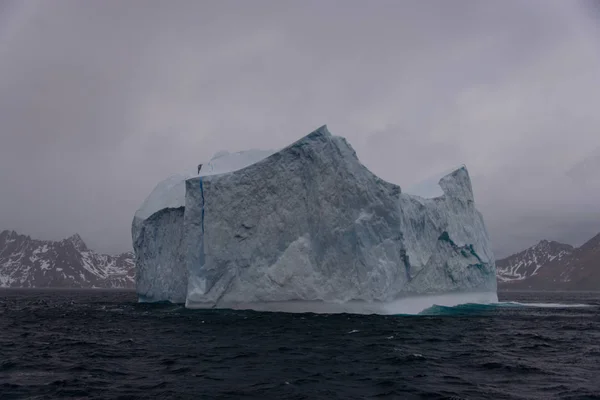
410 305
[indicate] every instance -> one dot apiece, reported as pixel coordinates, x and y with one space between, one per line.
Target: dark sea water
104 345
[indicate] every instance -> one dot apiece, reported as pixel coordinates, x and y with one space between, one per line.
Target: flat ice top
430 187
170 193
224 162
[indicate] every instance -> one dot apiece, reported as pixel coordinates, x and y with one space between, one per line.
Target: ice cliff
309 228
157 230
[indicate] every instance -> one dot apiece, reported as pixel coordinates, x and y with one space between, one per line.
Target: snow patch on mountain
552 266
529 262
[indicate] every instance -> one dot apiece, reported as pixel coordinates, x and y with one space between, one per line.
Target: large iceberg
309 228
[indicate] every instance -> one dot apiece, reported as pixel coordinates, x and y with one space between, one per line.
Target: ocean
96 344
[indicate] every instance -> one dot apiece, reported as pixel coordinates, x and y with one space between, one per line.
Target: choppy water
94 344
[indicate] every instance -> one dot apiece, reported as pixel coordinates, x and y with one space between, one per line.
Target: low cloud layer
101 100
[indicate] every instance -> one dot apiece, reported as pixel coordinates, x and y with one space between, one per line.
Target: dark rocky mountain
30 263
528 263
552 266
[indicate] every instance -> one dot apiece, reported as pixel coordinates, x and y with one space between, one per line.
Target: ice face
157 230
310 225
161 273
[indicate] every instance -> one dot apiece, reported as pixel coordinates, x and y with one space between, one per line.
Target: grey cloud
100 100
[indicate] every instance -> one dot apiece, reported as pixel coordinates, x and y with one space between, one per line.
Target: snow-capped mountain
552 266
30 263
529 262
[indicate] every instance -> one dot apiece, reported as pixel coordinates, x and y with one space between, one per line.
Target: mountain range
551 265
69 263
29 263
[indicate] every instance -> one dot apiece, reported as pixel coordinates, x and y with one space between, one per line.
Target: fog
101 100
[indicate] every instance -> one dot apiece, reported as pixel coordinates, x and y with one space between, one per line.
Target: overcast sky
100 100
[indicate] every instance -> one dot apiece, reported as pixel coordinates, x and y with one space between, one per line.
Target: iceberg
310 228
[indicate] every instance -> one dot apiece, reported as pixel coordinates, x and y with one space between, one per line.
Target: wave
550 305
418 305
440 304
481 308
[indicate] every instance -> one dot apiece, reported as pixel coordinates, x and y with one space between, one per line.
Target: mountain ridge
34 263
69 263
550 265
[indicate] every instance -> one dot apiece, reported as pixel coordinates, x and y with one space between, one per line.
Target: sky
99 101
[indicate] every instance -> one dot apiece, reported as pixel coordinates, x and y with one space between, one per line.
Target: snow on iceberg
309 228
430 188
